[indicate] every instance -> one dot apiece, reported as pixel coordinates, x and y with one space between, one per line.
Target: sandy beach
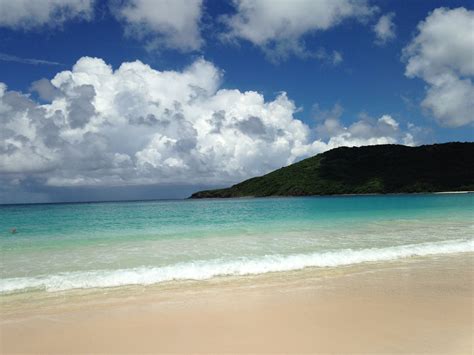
421 305
236 177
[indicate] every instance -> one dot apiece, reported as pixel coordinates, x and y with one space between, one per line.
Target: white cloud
28 14
332 58
336 58
442 54
163 23
137 125
278 26
365 131
385 29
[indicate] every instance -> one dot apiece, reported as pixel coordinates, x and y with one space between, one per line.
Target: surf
242 266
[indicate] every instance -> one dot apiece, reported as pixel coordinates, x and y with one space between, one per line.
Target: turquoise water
88 245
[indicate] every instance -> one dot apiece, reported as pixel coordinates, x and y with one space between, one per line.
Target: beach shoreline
235 198
455 192
409 305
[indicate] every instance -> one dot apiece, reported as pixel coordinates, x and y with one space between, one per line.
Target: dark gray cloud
80 107
217 121
45 90
35 191
252 126
148 120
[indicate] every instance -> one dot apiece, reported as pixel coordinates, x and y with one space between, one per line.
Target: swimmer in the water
13 230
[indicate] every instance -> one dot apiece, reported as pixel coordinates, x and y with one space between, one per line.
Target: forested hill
362 170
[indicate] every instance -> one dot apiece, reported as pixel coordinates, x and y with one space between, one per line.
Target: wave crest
206 269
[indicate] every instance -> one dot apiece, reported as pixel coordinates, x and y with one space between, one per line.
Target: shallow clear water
68 246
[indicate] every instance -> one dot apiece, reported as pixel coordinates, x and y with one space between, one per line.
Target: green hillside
361 170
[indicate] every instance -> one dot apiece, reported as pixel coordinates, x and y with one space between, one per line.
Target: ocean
60 247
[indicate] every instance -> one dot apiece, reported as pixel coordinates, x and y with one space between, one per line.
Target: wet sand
422 305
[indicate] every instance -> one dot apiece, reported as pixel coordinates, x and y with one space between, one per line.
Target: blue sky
348 83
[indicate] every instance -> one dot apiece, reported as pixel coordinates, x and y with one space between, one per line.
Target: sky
144 99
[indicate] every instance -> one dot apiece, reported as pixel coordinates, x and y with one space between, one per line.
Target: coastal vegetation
378 169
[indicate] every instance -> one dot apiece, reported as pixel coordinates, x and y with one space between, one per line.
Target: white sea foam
206 269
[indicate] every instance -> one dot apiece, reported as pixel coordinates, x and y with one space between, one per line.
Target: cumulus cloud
442 54
28 14
45 90
365 131
163 23
278 27
384 29
136 125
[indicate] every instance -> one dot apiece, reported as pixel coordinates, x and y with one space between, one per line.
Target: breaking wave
206 269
